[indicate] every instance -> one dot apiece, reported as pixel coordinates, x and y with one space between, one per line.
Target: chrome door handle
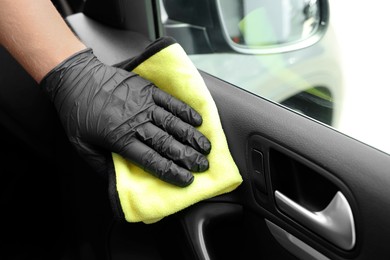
335 222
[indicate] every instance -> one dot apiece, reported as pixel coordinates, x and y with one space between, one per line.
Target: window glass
324 59
254 23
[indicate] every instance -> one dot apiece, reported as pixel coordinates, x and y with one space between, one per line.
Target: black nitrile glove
106 109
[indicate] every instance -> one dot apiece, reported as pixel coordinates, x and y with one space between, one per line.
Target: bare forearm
36 35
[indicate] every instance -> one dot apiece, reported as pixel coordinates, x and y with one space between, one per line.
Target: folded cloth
145 198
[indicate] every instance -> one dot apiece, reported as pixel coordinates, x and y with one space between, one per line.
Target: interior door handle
335 222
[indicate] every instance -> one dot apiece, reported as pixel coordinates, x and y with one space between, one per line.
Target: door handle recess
335 222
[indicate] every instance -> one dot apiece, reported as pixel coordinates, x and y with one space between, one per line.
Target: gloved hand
106 109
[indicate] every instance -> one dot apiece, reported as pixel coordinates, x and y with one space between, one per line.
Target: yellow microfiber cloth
145 198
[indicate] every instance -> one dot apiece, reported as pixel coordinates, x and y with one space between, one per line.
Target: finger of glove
182 131
157 165
166 145
177 107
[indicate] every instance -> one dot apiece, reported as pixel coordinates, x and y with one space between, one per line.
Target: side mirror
251 26
245 26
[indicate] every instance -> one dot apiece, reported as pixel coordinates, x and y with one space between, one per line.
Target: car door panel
278 151
358 170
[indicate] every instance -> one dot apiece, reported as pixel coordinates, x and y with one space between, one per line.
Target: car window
308 55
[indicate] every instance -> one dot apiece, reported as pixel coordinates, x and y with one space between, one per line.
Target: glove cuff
52 79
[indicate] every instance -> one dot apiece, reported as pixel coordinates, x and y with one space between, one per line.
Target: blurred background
362 29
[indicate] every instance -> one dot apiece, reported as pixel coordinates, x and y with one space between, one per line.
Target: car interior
296 171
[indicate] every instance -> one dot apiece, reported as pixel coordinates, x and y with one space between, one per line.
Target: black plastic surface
363 169
196 223
109 44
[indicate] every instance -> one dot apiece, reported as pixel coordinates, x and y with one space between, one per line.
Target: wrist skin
36 35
